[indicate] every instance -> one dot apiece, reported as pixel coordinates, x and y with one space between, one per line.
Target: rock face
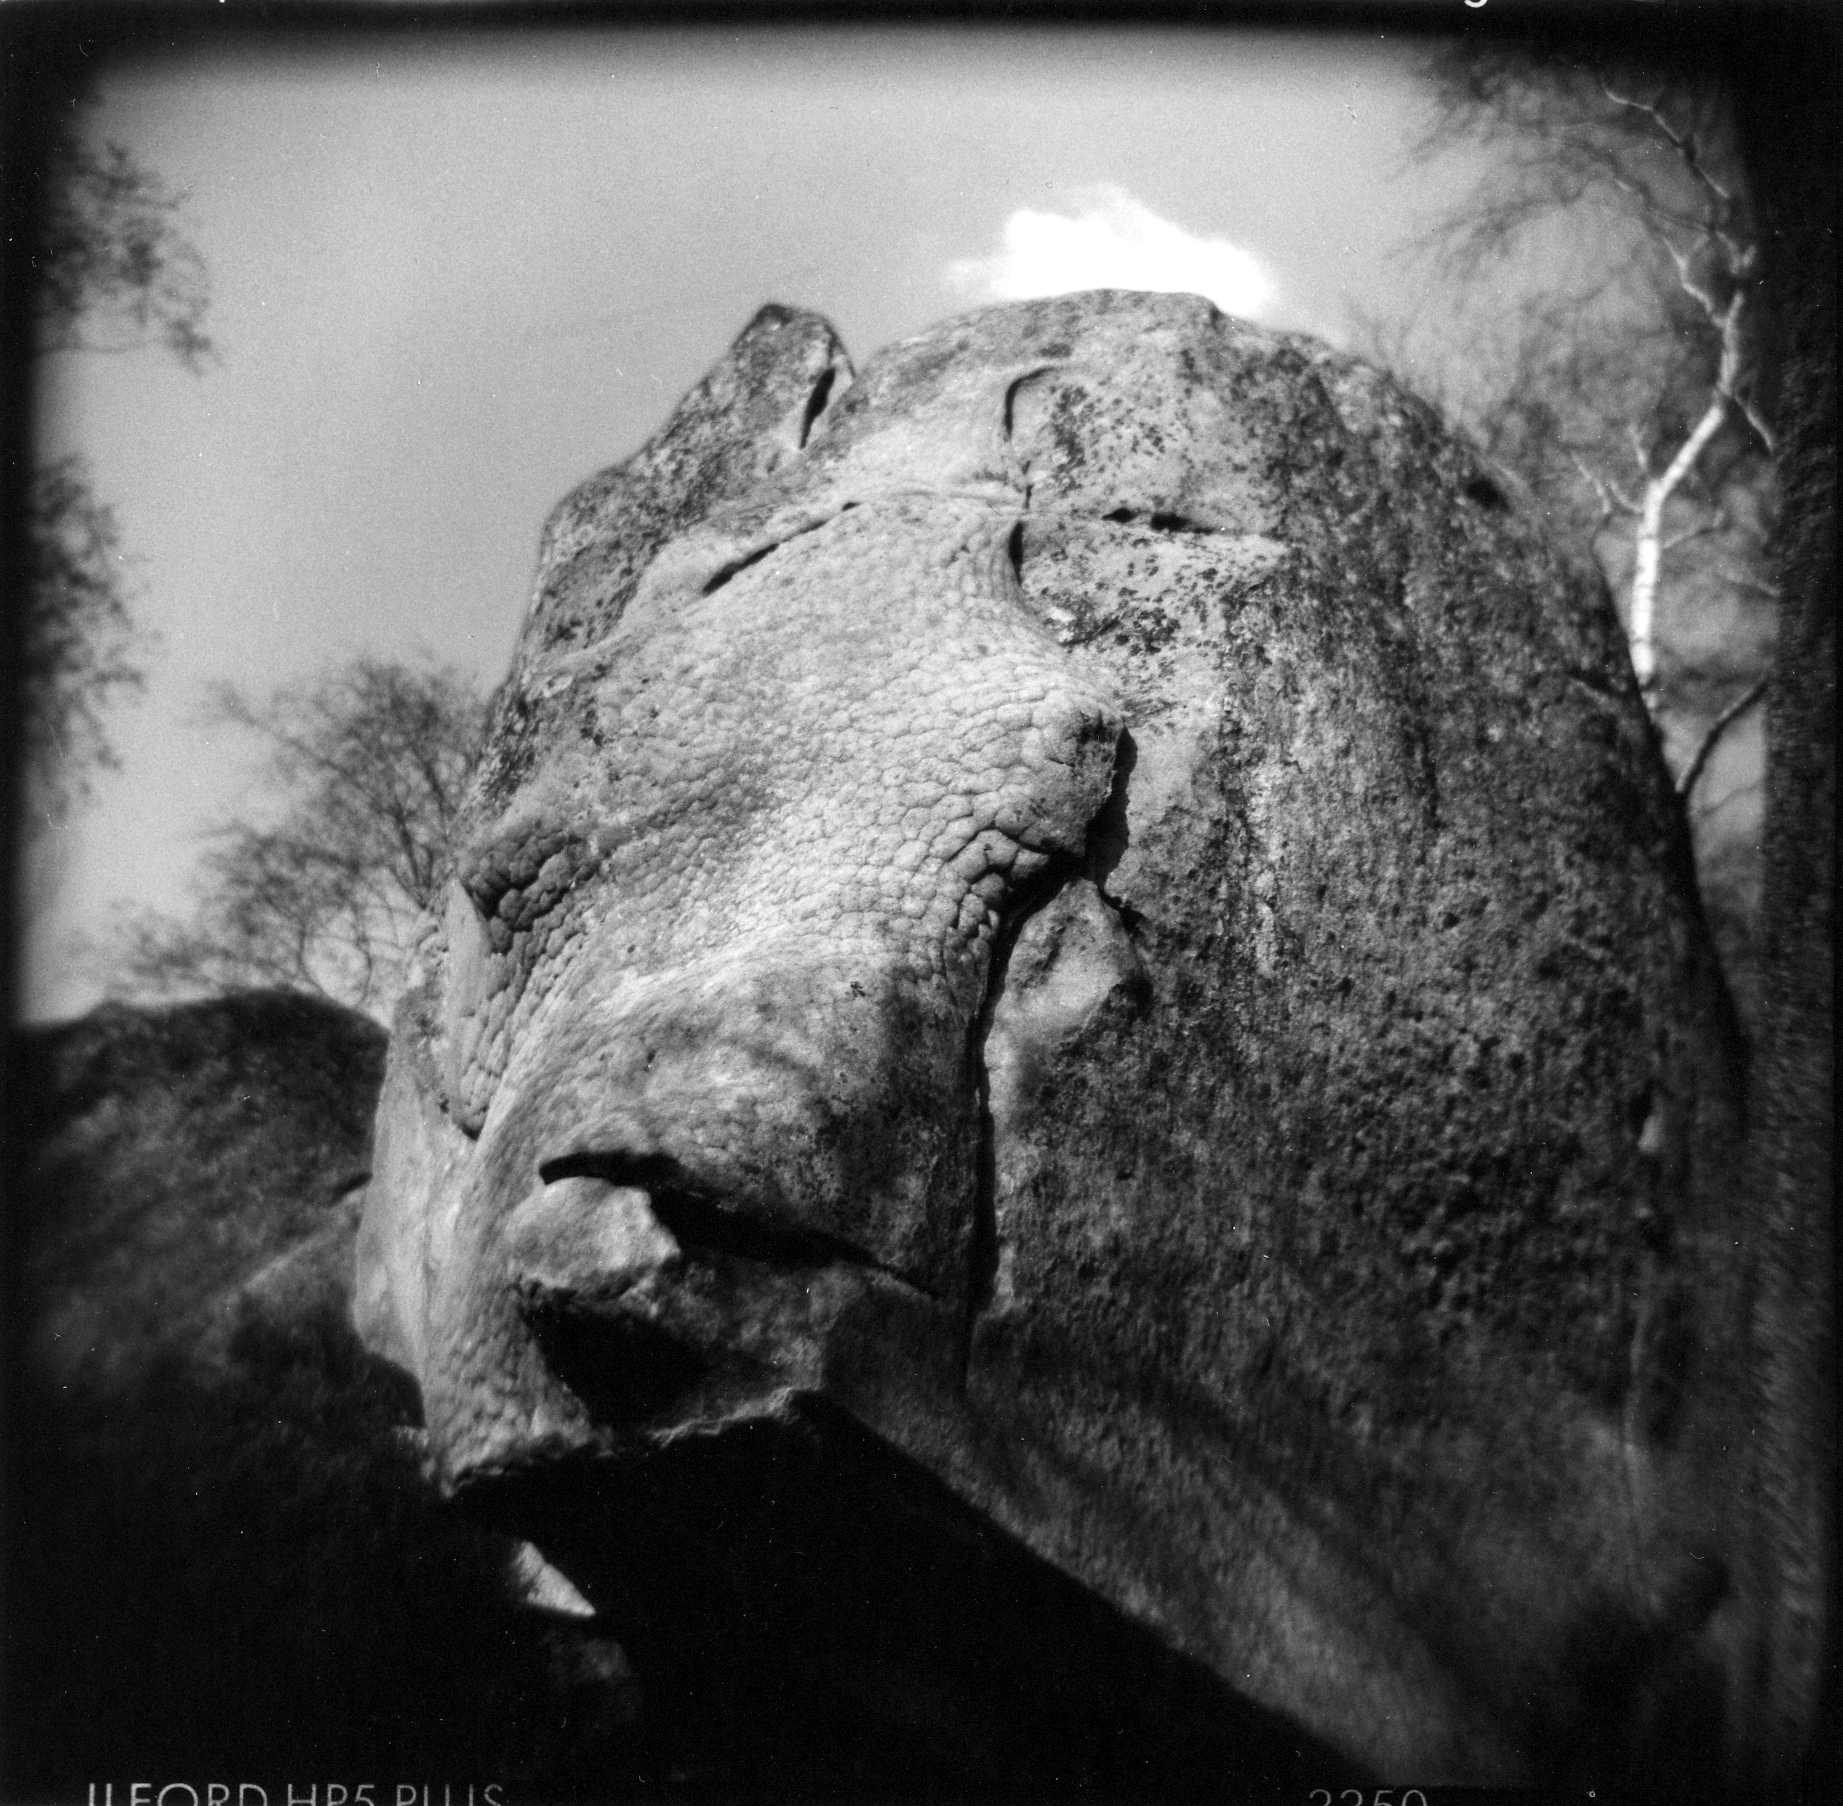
1097 903
220 1555
187 1167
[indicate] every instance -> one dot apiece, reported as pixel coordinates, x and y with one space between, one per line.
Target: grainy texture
222 1560
1117 919
112 1097
1786 82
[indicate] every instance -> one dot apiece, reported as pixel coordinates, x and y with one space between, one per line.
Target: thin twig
1718 523
1757 586
1734 796
1608 491
1683 142
1722 722
1757 421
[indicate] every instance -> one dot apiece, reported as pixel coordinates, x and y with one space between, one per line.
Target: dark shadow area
223 1560
810 1615
247 1579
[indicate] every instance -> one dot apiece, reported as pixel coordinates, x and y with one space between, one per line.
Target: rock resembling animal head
1098 902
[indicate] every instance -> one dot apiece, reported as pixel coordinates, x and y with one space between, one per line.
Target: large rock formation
222 1563
1082 940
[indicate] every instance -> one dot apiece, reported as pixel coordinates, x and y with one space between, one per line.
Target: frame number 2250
1381 1796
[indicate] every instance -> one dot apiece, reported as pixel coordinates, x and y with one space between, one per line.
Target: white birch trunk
1647 568
1649 563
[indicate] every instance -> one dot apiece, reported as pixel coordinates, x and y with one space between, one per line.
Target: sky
452 277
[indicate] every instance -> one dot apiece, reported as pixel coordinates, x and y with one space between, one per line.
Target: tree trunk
1648 567
1789 117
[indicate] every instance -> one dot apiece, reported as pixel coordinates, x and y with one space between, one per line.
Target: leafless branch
1716 523
1719 726
1733 796
1756 586
366 768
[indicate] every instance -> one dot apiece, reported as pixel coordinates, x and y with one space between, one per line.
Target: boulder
223 1563
138 1258
1072 959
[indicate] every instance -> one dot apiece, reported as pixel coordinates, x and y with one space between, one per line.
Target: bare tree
115 268
115 272
80 641
1627 392
1607 263
366 768
1689 232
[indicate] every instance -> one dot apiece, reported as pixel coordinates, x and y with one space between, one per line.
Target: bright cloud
1112 240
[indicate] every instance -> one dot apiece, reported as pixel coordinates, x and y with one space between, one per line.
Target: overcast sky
451 278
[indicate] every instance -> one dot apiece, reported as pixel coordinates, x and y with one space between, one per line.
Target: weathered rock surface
222 1561
268 1096
1098 904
